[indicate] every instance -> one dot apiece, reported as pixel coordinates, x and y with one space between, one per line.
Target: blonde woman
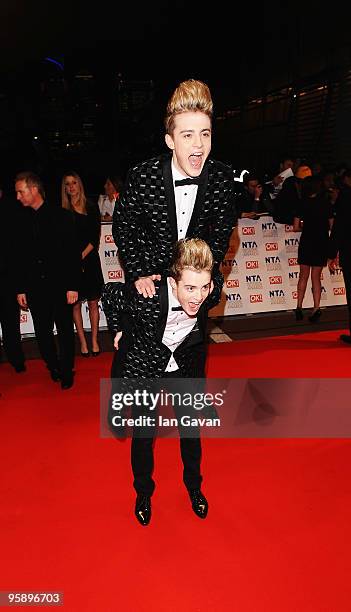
88 228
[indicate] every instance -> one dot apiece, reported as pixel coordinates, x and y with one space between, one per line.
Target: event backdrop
260 270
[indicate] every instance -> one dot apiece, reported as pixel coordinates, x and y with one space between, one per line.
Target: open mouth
195 160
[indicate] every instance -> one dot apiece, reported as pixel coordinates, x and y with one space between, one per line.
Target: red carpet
277 537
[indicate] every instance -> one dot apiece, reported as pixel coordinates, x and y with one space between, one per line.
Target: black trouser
48 306
142 455
10 328
346 270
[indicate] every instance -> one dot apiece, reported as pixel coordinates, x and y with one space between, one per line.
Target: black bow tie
196 180
177 307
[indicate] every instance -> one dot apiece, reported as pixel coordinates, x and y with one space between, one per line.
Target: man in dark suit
171 197
9 308
164 337
340 243
47 278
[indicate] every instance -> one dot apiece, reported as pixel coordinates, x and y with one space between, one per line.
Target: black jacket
49 250
145 224
143 320
340 241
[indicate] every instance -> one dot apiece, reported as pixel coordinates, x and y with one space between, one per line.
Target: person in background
113 187
47 278
275 184
9 308
314 219
252 201
287 202
340 242
88 229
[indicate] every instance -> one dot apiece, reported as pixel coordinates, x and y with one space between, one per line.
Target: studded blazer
141 353
145 224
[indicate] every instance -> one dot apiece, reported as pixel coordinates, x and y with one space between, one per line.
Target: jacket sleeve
113 301
71 262
214 297
333 247
136 248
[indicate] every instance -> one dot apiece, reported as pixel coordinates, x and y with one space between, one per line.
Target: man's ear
169 141
173 283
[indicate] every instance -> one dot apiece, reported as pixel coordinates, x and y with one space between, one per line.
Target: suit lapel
170 199
163 309
201 190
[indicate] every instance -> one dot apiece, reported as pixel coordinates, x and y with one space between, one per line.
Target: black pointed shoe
143 509
67 380
298 313
345 338
315 316
55 374
198 502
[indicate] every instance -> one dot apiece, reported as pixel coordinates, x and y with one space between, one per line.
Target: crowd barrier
260 270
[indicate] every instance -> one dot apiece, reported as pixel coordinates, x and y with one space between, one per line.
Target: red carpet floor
277 537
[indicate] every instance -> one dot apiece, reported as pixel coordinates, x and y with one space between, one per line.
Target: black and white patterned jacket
145 223
141 353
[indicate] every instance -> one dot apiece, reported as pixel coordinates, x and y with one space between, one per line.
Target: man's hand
72 297
22 300
277 180
333 264
118 336
145 285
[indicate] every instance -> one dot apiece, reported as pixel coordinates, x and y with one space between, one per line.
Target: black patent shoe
19 367
143 509
67 381
315 316
345 338
55 374
198 502
298 313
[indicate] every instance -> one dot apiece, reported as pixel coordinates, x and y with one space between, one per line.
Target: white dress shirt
106 206
185 197
178 326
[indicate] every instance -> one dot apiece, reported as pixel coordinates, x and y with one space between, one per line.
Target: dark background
143 49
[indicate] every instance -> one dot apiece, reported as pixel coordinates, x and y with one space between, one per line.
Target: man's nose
198 140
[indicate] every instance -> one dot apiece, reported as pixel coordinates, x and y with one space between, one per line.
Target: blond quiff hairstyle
193 254
190 96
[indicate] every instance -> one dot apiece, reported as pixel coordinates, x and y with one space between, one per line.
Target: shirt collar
172 301
177 176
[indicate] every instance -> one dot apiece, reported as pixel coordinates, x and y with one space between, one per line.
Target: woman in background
106 203
314 218
88 229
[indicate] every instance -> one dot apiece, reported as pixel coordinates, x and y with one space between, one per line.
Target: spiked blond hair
191 253
191 96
